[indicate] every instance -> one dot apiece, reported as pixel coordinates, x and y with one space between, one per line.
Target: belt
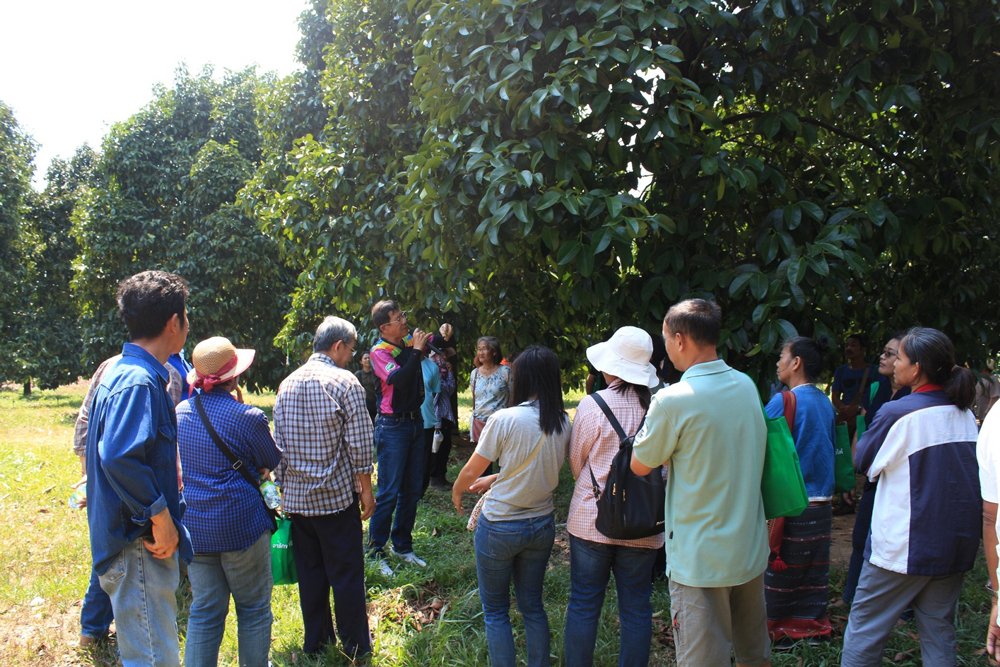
403 415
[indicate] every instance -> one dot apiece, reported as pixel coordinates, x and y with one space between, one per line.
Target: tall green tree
172 175
335 137
17 151
816 167
48 344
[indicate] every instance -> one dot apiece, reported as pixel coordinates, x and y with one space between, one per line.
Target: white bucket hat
626 356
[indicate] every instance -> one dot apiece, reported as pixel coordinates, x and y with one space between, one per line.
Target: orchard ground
420 617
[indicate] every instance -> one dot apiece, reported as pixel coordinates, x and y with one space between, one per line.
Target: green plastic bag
782 486
282 561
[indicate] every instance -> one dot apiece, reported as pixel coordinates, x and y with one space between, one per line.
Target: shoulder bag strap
861 391
526 461
235 461
790 402
473 378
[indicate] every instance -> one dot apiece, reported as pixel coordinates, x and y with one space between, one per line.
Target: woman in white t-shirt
516 529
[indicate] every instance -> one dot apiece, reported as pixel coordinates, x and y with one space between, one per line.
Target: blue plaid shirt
224 513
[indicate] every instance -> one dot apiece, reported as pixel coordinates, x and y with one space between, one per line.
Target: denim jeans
142 590
95 614
246 575
399 444
517 549
590 565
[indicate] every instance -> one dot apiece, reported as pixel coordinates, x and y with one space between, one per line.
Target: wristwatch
989 587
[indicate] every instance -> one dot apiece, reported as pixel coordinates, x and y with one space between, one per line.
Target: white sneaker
409 558
384 568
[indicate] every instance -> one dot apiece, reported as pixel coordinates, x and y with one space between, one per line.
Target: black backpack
630 506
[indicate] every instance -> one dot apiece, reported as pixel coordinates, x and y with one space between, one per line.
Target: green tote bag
782 486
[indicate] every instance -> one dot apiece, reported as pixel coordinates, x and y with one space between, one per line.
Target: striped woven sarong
797 595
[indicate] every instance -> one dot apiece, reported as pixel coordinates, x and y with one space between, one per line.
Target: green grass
420 617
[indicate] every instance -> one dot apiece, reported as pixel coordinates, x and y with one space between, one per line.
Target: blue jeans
95 614
517 549
142 590
399 443
246 575
590 566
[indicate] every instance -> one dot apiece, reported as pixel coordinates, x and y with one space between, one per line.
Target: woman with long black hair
927 516
516 529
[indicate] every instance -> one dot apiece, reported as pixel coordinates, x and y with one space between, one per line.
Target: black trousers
329 555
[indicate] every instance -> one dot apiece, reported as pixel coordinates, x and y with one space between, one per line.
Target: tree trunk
27 387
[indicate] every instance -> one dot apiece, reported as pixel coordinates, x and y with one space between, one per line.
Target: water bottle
438 439
78 500
271 495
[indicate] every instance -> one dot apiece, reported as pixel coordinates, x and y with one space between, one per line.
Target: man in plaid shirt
322 427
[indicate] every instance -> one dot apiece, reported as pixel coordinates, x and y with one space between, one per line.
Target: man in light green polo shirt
709 430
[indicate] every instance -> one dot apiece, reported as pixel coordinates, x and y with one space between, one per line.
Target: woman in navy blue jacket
927 517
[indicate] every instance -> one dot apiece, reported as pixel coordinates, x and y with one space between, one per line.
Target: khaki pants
710 624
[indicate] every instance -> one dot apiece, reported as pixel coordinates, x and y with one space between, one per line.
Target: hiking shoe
409 557
383 567
440 484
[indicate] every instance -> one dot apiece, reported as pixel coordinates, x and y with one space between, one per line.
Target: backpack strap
610 415
618 430
236 462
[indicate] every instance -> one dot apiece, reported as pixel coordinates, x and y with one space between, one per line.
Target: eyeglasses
354 351
401 318
888 354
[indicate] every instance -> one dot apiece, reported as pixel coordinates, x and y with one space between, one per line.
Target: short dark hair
535 374
860 337
698 319
494 345
381 310
148 300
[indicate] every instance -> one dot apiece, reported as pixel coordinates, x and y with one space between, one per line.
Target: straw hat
627 356
216 360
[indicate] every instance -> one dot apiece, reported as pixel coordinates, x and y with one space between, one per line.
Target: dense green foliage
17 150
543 171
171 174
48 345
553 168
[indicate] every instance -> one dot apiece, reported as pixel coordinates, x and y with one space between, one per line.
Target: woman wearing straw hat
624 362
226 515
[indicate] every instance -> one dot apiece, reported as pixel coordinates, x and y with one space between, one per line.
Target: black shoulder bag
630 506
236 462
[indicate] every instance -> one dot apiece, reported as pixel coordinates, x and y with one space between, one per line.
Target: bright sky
70 69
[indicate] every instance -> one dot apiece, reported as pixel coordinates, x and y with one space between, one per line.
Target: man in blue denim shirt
134 507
